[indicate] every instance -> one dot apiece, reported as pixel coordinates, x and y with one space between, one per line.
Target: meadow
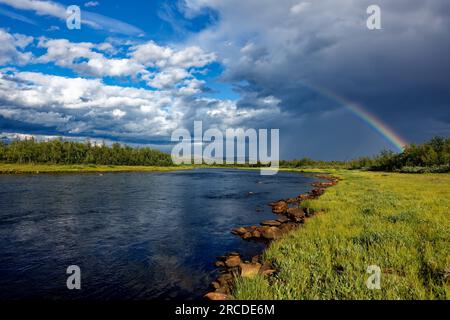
399 222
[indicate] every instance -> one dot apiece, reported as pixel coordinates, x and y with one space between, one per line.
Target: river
134 235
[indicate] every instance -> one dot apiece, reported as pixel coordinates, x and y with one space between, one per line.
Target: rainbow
368 118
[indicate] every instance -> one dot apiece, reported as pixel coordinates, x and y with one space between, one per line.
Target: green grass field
13 168
399 222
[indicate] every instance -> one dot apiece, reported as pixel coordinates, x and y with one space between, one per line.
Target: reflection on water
134 235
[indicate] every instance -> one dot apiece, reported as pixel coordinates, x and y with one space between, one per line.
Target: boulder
266 268
215 285
291 200
256 234
256 259
287 227
219 264
225 279
270 223
271 233
239 231
296 214
283 219
279 207
249 270
268 272
247 235
233 261
303 197
216 296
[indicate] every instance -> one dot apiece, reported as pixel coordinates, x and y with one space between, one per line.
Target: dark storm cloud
280 48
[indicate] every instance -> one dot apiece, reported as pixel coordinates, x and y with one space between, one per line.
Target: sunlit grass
399 222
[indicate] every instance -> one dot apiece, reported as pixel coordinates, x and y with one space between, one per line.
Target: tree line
69 152
431 156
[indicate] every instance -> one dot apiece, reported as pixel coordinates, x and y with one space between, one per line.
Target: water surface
134 235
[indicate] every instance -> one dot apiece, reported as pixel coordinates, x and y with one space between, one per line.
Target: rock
247 235
225 279
265 267
317 192
215 285
249 270
256 259
256 234
233 261
270 223
296 214
219 264
323 184
283 219
216 296
271 233
291 200
287 227
239 231
268 272
279 207
234 253
303 197
225 290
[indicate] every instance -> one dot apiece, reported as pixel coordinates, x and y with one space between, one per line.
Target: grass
14 168
399 222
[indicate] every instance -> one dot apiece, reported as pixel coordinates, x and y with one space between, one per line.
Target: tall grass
399 222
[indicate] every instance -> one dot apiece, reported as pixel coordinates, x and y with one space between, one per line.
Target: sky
138 70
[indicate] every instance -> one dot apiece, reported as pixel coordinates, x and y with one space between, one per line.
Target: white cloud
17 17
91 4
300 7
11 46
161 67
88 107
40 7
58 10
82 58
167 78
151 54
118 113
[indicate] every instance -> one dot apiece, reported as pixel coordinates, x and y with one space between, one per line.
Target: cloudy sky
137 70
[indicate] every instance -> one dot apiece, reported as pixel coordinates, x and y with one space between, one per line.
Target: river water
133 235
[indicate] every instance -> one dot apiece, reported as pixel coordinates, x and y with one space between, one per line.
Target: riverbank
399 222
290 216
14 168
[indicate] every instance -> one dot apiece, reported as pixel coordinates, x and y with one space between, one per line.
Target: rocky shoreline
290 217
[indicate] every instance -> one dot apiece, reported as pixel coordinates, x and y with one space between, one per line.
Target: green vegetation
432 156
68 152
14 168
399 222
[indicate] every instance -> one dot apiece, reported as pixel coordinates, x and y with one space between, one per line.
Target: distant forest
432 156
69 152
